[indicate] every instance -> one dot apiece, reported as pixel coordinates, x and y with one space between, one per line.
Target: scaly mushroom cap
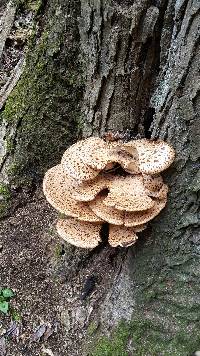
121 236
154 157
56 187
87 191
141 217
160 194
152 183
128 193
94 152
79 233
128 161
106 213
73 165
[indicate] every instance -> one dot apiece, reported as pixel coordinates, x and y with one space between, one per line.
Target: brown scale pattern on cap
121 155
106 213
94 153
56 187
152 183
77 189
87 191
154 156
160 194
73 165
79 233
121 236
142 217
129 194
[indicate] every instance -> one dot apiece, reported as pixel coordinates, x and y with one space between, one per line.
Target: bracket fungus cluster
101 182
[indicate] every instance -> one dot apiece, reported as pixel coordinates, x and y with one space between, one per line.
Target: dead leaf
2 346
38 333
48 332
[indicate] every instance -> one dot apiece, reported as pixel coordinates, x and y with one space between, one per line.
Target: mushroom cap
88 190
139 228
94 152
74 166
129 162
153 184
154 156
79 233
129 194
106 213
121 236
160 194
141 217
56 187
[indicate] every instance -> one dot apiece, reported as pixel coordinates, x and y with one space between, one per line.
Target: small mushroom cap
74 166
79 233
128 193
154 156
87 191
106 213
56 187
121 236
141 217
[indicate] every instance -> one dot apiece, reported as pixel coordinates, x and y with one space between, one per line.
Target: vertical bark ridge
119 55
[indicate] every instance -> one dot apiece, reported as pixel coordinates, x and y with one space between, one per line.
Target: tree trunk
95 66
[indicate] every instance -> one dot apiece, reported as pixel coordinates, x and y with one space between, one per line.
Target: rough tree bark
94 66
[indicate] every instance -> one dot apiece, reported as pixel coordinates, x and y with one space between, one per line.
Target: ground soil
48 277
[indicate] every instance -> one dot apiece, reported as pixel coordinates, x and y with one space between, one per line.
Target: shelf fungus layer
101 182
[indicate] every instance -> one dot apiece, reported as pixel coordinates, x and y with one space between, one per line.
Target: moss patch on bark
142 337
43 113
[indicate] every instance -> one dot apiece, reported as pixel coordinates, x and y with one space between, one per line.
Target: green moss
5 199
5 191
140 337
92 328
43 109
59 251
31 5
116 345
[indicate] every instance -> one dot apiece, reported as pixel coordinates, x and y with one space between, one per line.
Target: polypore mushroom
106 213
74 166
121 236
56 187
154 156
81 187
141 217
79 233
128 161
87 191
129 194
153 184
